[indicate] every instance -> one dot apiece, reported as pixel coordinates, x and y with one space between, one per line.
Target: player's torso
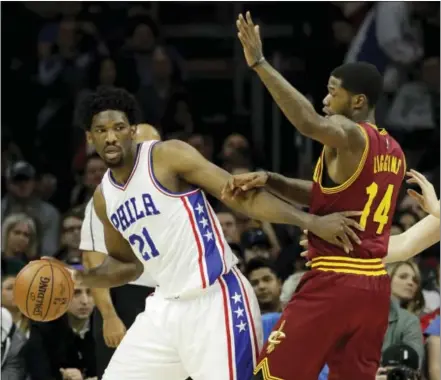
372 189
176 236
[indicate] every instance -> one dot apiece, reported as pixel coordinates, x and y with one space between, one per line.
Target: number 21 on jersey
381 215
144 244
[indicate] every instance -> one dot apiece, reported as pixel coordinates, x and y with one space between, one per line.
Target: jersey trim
349 265
353 177
124 187
157 184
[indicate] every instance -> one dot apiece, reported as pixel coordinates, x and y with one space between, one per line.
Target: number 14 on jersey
381 215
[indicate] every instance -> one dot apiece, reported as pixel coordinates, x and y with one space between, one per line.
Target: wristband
258 62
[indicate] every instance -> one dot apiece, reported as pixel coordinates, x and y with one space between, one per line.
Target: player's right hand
244 182
428 199
113 331
337 229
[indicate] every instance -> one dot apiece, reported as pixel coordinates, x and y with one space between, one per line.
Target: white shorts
216 336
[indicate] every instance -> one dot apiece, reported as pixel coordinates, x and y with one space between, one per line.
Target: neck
76 323
366 116
122 174
16 315
274 307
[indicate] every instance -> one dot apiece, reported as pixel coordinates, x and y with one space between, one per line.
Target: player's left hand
249 36
428 199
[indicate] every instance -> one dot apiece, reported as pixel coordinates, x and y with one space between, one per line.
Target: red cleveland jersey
373 189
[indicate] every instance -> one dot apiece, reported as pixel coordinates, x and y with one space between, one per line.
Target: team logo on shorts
275 338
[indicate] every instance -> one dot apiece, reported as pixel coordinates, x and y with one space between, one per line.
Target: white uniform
203 320
92 239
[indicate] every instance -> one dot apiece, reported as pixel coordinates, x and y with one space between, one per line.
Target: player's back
175 235
373 189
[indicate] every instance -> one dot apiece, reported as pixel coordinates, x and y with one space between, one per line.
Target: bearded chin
114 164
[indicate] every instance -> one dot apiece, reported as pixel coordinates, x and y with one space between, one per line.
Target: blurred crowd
54 53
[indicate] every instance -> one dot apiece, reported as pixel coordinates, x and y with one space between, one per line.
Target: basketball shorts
333 319
215 336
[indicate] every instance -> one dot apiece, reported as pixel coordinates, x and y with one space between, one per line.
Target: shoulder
98 202
356 134
176 153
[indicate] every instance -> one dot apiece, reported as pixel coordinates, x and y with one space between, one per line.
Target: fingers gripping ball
43 290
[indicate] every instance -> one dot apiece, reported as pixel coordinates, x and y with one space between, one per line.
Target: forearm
111 273
297 109
101 296
290 189
416 239
262 205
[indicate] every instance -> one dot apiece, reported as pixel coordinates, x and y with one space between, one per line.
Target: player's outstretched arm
289 189
187 163
121 265
415 240
335 131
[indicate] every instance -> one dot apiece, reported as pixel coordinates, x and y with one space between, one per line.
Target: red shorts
335 319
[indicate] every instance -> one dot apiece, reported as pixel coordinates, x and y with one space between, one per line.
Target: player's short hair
360 78
259 263
105 99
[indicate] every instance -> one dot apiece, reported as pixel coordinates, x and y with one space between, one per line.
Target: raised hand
243 182
249 36
428 199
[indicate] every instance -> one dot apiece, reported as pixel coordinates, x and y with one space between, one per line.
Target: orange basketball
43 290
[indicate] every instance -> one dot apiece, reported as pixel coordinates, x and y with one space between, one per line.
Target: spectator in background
166 81
203 144
13 365
64 349
19 239
232 144
406 286
267 285
255 244
93 173
20 320
70 238
178 115
407 218
433 350
20 198
228 223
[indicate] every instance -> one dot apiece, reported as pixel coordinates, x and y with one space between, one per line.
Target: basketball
43 290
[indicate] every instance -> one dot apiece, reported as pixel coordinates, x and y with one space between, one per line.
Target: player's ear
89 138
133 130
358 101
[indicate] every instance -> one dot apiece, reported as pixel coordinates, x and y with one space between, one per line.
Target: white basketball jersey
177 236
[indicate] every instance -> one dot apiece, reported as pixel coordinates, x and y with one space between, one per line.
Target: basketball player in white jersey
421 235
118 309
203 320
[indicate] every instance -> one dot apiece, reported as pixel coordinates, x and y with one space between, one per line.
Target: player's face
8 293
82 303
404 283
112 136
266 285
338 100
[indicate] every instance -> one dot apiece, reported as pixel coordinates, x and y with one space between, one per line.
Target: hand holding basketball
249 36
43 290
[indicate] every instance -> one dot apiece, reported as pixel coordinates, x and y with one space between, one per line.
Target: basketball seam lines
30 287
52 291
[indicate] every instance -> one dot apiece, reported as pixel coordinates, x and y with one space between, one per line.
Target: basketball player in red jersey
339 314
